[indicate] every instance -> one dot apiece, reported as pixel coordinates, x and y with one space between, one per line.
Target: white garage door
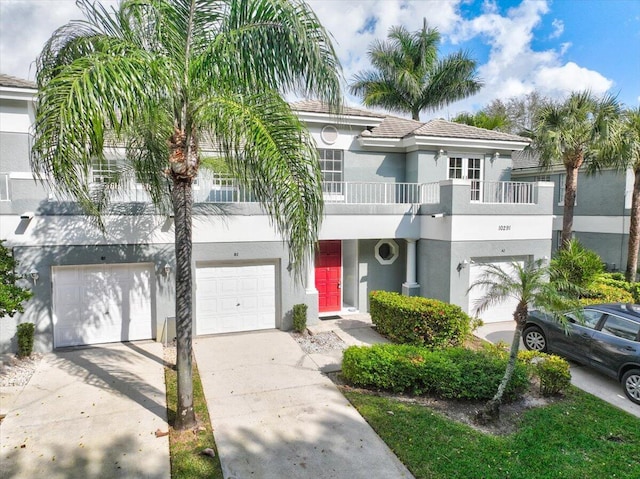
499 312
101 304
235 298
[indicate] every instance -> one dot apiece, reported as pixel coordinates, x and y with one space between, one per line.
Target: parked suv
606 337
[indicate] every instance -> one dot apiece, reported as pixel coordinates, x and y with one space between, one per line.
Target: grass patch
578 437
185 446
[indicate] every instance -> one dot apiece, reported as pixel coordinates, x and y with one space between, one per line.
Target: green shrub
25 333
604 293
576 264
300 317
418 321
449 373
617 280
551 370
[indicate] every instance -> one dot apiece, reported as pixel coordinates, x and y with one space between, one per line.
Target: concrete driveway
583 377
276 416
90 413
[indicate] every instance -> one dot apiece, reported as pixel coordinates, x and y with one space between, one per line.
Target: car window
589 318
623 328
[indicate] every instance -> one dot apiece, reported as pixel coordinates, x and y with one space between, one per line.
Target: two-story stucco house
410 207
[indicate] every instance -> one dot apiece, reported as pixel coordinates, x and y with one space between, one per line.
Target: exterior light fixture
462 265
34 276
167 269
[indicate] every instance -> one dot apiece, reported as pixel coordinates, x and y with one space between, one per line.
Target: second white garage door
235 298
499 312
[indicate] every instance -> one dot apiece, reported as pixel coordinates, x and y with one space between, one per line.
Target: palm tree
529 284
408 77
482 119
631 159
160 77
580 129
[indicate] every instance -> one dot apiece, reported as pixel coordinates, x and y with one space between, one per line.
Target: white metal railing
223 189
507 192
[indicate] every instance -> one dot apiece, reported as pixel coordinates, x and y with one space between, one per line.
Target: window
542 178
468 168
4 187
104 171
331 167
620 327
590 318
562 184
386 251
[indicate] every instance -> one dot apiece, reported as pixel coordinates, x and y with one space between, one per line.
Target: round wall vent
329 134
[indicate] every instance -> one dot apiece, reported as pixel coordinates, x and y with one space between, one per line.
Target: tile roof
11 81
314 106
444 128
395 127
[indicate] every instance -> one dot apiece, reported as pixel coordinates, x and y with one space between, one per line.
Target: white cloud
571 77
558 28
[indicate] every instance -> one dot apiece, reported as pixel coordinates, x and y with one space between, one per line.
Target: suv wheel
631 385
534 339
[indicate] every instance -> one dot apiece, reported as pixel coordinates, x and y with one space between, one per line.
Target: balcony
220 189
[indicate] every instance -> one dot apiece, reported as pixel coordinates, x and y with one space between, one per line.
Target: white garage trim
499 312
232 298
101 304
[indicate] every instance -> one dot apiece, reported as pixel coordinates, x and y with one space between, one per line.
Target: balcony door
329 276
468 169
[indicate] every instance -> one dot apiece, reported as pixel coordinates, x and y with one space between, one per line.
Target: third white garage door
235 298
499 312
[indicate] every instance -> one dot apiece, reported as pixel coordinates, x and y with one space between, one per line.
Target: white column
411 263
310 282
410 287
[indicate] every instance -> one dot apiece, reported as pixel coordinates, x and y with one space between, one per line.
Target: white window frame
476 189
393 247
336 190
562 182
4 179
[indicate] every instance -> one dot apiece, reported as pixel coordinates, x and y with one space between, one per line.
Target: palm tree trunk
491 410
182 206
570 189
634 230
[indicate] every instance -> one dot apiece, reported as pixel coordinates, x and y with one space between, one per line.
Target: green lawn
581 437
185 446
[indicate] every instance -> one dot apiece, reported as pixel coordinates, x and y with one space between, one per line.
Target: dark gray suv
606 338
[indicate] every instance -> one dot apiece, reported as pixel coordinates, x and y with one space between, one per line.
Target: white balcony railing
507 192
222 189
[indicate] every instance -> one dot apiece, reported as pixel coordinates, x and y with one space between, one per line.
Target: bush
448 373
576 264
617 280
605 293
25 333
300 317
418 321
551 370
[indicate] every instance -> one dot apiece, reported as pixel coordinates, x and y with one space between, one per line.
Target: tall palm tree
408 77
580 129
161 76
631 159
529 285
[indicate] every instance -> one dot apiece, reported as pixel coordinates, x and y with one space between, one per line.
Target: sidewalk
89 412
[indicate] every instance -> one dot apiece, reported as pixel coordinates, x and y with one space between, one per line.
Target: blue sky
520 45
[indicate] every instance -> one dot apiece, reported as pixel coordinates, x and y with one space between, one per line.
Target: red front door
328 276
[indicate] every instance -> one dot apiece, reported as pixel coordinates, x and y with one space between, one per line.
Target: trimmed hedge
418 321
449 373
552 371
617 280
25 333
606 293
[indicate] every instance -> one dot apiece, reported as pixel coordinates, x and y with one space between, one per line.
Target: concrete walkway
90 413
276 416
583 377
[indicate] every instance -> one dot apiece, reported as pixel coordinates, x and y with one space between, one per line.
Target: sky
554 47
